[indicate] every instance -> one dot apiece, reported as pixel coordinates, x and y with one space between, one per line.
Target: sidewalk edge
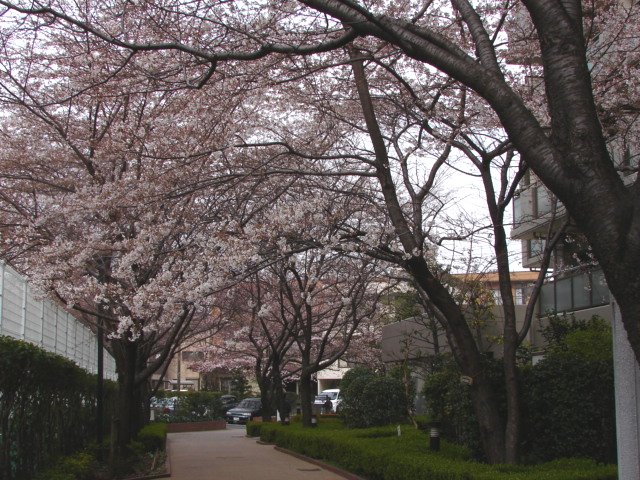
326 466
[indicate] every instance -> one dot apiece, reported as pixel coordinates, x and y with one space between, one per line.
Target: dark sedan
228 401
245 411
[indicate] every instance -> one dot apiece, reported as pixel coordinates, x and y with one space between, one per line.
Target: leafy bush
369 399
253 429
153 436
449 401
47 408
379 454
568 398
195 407
78 466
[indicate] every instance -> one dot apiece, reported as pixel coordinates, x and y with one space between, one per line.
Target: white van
334 396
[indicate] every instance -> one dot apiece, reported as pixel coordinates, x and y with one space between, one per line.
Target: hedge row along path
231 455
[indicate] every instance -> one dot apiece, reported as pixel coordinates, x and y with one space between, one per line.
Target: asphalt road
230 455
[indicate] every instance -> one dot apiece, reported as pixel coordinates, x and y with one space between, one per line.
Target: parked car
163 405
246 410
333 394
228 401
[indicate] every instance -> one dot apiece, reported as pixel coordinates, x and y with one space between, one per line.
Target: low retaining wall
196 426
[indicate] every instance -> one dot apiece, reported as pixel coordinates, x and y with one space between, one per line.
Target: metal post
100 389
42 324
23 326
434 437
1 290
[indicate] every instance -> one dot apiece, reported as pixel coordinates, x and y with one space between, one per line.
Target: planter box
196 426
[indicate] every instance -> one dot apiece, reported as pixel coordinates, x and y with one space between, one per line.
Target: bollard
314 420
434 437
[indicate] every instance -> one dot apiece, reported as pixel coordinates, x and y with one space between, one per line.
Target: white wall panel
25 316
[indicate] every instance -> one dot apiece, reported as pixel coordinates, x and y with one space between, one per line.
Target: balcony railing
576 292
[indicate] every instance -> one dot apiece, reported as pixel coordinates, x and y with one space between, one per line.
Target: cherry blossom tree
404 135
119 208
314 301
256 340
329 300
563 142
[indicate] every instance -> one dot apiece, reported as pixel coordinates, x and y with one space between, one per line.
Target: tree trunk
458 333
466 353
489 420
126 414
266 397
306 399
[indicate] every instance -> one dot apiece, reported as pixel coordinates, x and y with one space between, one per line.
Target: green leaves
47 408
379 454
370 399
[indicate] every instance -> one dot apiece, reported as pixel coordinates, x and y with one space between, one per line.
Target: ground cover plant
147 458
381 454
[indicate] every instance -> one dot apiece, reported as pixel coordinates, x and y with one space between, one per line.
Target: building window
544 203
519 296
497 297
536 247
193 356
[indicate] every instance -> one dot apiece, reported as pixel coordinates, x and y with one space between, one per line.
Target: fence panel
42 322
12 304
33 313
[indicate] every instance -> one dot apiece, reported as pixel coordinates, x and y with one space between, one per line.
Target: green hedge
153 437
79 466
193 407
47 408
567 399
379 454
370 399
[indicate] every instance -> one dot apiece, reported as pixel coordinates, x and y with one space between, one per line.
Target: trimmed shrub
153 437
379 454
78 466
47 408
369 399
568 398
253 429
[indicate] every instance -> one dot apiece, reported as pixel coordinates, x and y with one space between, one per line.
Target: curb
165 474
325 466
189 427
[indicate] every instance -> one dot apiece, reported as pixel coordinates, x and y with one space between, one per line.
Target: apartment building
575 283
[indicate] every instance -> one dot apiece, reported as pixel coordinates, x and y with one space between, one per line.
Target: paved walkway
231 455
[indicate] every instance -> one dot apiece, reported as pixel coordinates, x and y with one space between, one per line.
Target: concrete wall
411 339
